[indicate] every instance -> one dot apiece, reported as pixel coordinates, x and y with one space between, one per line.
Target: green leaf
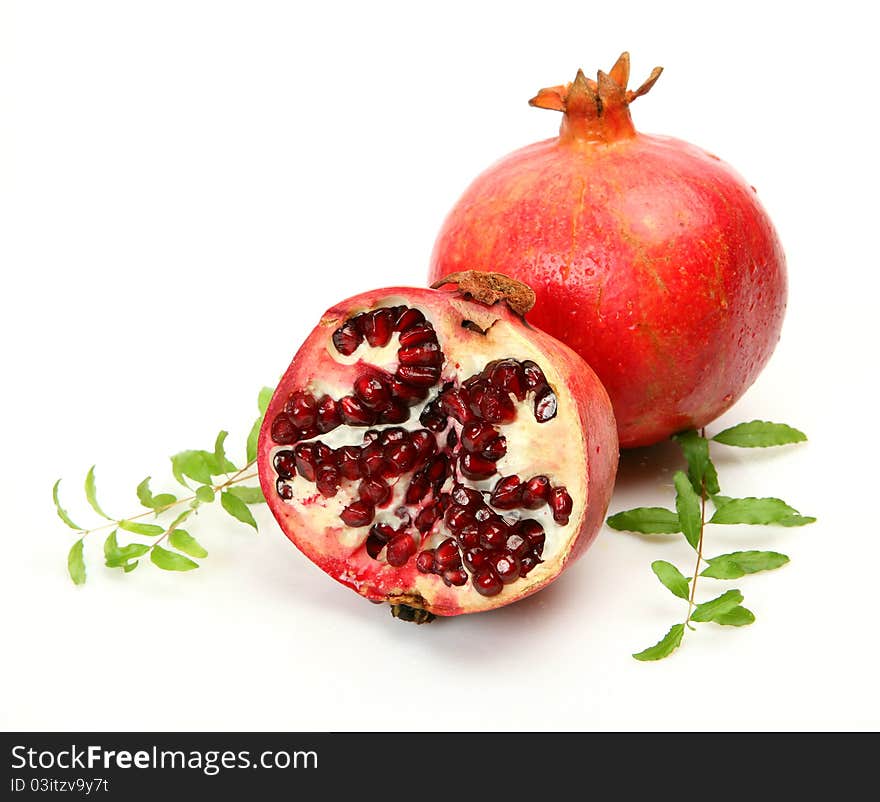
740 563
759 434
180 519
62 513
720 501
205 494
76 566
672 578
688 506
700 467
194 464
737 617
91 495
665 647
262 402
171 560
150 530
219 462
116 556
151 502
647 520
237 508
759 511
185 542
249 495
129 567
710 610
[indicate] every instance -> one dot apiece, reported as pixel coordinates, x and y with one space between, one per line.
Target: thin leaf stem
699 546
234 479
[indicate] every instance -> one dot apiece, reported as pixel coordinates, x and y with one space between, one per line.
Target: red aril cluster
384 449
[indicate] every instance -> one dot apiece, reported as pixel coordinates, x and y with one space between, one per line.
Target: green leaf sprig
214 475
693 489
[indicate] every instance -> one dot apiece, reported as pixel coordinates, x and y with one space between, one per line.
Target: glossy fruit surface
649 256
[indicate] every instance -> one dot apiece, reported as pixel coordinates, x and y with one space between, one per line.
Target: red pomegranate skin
650 257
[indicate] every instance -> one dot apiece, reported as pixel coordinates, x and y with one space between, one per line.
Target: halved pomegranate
429 449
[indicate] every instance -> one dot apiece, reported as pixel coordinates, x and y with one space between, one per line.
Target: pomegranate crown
596 110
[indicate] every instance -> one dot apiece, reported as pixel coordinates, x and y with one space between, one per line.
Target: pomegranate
429 449
649 256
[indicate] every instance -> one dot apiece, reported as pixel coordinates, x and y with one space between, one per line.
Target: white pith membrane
554 448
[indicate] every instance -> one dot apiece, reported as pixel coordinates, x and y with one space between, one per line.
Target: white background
187 185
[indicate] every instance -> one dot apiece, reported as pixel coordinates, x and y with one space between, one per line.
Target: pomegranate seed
517 545
396 434
285 464
483 514
418 334
426 519
458 517
446 555
545 405
407 318
495 450
425 561
358 513
374 545
536 492
371 436
309 433
300 407
347 337
533 532
455 576
493 535
328 417
284 491
417 489
455 403
400 548
372 461
495 406
425 354
451 439
438 468
466 496
425 444
476 436
507 493
419 375
401 455
469 536
432 417
382 531
327 480
487 583
373 391
476 467
534 375
355 413
506 567
397 412
323 453
509 376
527 563
374 490
284 432
475 558
561 504
305 455
407 393
377 327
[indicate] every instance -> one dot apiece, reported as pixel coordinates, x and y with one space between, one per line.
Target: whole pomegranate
429 449
649 256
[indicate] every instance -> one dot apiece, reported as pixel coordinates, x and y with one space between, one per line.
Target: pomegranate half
649 256
433 451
